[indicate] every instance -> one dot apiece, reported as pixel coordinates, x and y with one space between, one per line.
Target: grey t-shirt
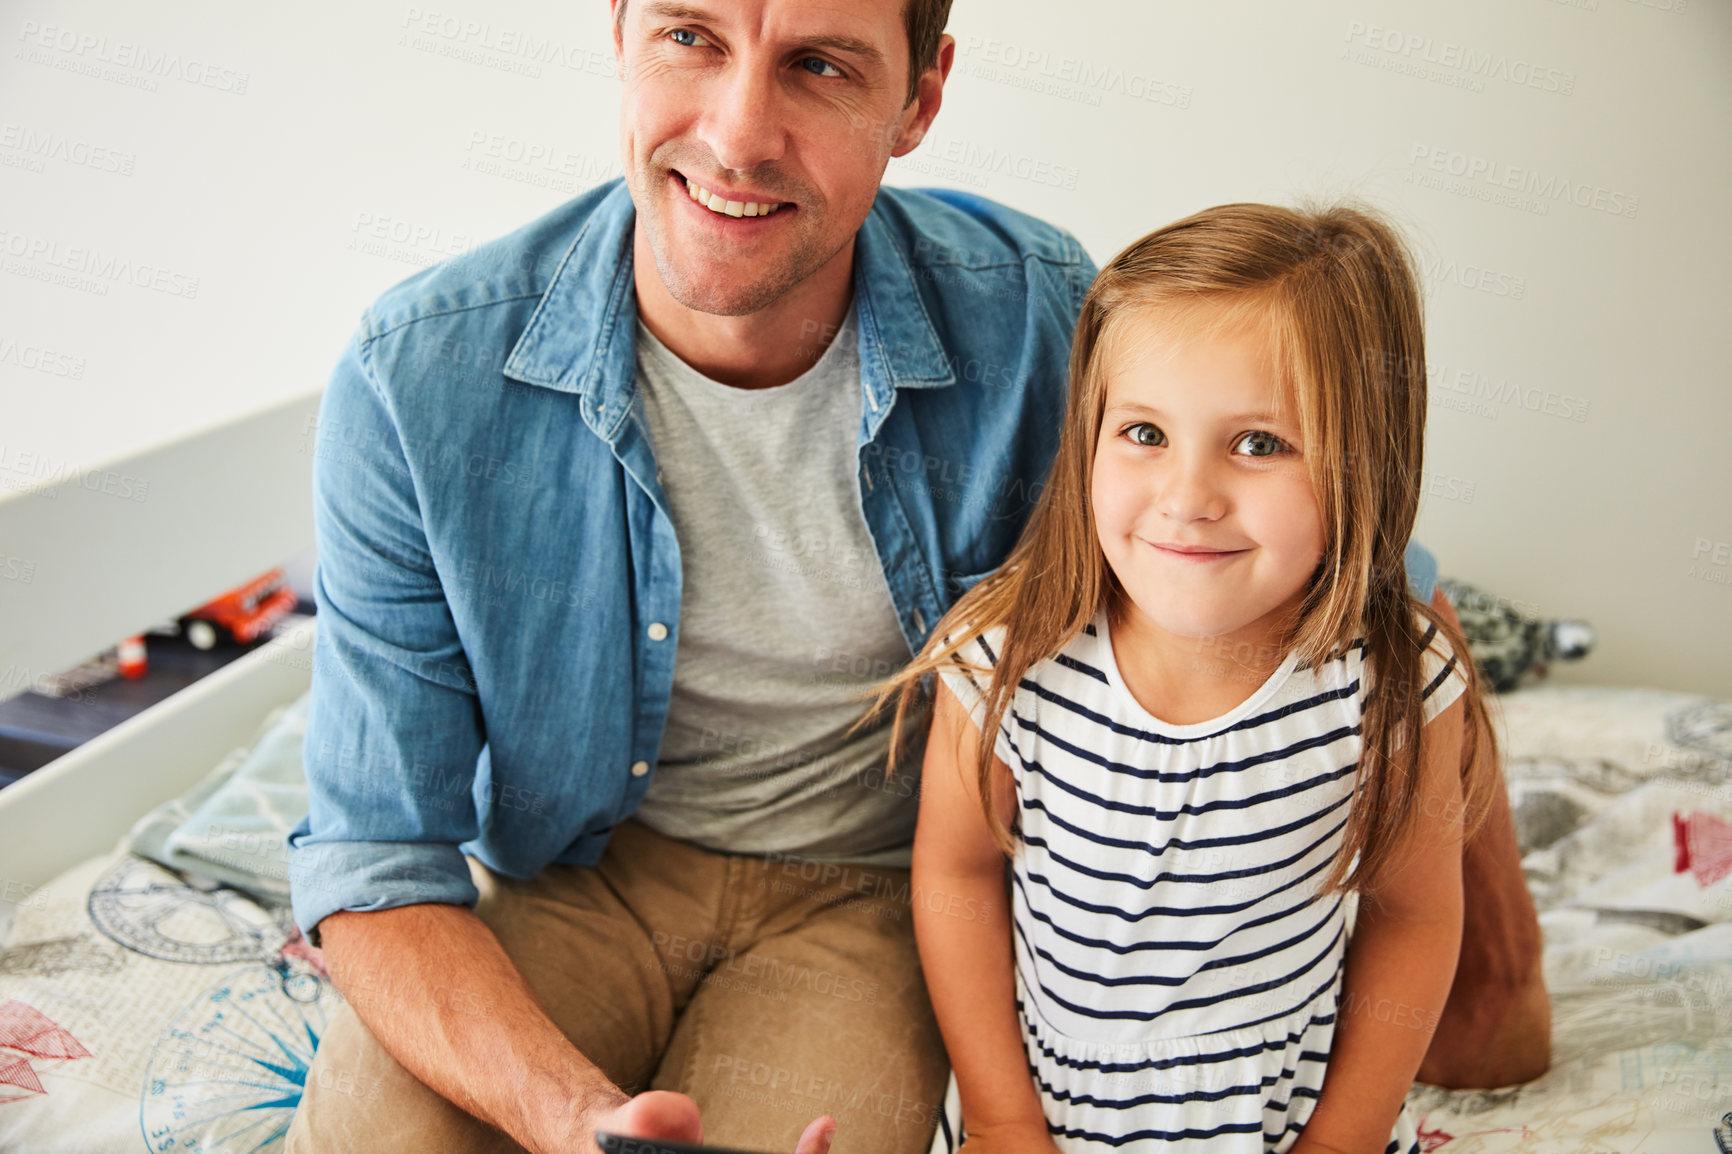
784 618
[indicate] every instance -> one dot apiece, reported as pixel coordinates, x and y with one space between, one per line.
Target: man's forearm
440 994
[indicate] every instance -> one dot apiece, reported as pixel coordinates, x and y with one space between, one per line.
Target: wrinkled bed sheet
150 1008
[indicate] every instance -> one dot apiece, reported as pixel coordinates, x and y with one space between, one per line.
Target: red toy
242 613
132 659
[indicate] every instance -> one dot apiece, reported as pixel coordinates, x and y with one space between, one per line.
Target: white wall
297 161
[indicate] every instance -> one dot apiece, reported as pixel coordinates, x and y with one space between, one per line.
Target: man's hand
652 1114
662 1114
536 1086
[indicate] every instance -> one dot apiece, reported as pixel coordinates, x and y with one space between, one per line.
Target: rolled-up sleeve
394 728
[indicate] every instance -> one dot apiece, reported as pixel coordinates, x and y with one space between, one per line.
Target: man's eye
1145 434
685 38
1261 444
817 64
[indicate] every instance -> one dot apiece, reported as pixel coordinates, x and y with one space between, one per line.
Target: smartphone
619 1144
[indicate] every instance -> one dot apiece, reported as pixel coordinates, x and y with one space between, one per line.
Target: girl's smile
1195 552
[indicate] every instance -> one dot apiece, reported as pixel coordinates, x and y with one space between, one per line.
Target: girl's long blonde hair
1336 291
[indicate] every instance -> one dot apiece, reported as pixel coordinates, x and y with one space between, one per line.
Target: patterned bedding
1623 802
148 1008
141 1009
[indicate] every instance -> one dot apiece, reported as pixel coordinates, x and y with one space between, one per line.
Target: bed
156 1008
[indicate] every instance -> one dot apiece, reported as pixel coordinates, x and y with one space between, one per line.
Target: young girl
1213 710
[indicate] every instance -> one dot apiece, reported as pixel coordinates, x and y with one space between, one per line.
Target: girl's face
1200 492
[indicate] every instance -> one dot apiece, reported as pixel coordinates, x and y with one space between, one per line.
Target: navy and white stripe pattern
1177 973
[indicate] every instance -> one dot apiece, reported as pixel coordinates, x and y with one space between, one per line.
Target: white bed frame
81 805
116 546
224 504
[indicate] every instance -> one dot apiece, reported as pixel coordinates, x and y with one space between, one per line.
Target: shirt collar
587 310
894 322
581 337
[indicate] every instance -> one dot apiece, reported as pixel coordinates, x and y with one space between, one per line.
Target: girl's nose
1189 491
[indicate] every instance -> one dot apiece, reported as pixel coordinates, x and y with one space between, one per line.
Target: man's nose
742 123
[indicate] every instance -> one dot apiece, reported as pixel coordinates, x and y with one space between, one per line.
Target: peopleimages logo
41 146
150 63
1468 62
994 160
498 45
1066 77
1529 189
1475 277
46 253
40 358
29 469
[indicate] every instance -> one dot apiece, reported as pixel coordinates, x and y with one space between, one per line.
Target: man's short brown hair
923 20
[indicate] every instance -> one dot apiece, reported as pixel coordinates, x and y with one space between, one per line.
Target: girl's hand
1008 1138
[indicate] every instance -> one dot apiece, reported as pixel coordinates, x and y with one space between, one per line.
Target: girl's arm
1400 963
965 946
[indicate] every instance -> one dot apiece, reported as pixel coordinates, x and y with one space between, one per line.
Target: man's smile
736 203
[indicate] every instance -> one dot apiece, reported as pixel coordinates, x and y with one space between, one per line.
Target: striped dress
1177 975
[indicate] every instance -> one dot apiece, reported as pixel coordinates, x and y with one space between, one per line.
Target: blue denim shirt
498 582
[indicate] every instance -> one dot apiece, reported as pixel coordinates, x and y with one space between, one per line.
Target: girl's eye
1261 444
817 64
1147 435
685 38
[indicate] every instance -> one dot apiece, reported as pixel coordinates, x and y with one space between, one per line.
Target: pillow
233 826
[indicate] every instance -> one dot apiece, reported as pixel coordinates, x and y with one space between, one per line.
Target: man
616 517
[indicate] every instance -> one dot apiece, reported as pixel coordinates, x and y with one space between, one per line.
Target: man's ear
618 17
928 96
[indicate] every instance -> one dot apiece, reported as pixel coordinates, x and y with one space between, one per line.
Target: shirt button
658 631
639 768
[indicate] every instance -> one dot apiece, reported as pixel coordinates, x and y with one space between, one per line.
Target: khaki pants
771 992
